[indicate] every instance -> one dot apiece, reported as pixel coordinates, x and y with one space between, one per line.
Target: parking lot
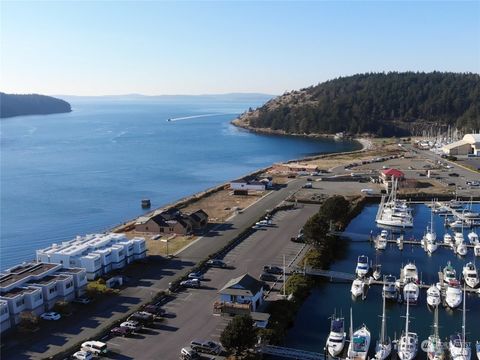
190 313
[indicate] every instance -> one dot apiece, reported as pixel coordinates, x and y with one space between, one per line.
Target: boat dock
289 353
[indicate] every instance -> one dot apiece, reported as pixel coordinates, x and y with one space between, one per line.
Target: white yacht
359 342
357 287
381 240
362 266
435 348
453 295
461 249
473 237
411 292
377 271
447 238
410 273
393 212
478 349
430 238
459 349
458 237
384 345
389 290
433 296
336 338
449 274
470 275
408 343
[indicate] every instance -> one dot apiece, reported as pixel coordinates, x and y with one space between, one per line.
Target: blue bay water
312 324
68 174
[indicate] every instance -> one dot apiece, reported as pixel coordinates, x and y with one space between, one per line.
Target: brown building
172 221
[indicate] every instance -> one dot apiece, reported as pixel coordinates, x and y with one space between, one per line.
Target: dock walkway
289 353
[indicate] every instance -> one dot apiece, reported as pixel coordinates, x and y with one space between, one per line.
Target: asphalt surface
191 312
146 280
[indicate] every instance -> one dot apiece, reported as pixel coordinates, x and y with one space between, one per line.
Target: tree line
383 104
31 104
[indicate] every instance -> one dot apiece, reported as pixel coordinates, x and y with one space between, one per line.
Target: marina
433 283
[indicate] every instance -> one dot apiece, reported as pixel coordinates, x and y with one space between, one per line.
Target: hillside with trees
31 104
380 104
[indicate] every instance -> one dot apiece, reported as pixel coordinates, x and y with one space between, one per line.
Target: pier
290 353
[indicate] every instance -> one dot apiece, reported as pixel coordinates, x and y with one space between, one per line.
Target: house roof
472 138
456 144
245 285
393 172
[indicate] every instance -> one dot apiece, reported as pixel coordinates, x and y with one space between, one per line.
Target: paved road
192 309
147 279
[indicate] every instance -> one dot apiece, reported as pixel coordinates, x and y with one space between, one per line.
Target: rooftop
19 291
44 281
242 285
20 272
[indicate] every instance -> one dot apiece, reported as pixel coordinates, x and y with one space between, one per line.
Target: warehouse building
470 144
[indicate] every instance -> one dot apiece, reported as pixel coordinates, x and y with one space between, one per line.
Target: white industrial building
36 287
97 253
470 144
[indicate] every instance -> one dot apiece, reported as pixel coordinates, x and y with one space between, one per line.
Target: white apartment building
97 253
36 287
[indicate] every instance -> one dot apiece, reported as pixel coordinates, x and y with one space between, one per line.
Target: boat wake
197 116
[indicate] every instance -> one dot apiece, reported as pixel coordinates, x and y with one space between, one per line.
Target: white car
134 325
195 275
83 355
50 316
191 283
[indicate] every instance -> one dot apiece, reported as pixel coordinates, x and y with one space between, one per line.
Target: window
52 289
20 303
4 310
69 285
38 297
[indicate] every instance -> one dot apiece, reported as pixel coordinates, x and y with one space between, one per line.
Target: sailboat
435 350
384 345
459 349
433 296
407 347
336 338
478 349
430 238
359 341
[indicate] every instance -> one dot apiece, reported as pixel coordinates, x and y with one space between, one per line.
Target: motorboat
470 275
435 348
393 212
389 290
476 251
430 238
453 295
411 291
359 342
336 337
383 347
477 346
473 237
449 273
377 271
456 224
362 266
433 296
458 237
461 249
357 287
408 343
454 204
458 346
447 238
410 273
381 240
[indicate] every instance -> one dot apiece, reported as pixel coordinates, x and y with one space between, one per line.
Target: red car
121 331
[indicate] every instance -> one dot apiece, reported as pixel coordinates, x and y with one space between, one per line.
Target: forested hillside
31 104
382 104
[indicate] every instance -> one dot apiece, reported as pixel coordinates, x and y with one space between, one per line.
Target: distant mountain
382 104
31 104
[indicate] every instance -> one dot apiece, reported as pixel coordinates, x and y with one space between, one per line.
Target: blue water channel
312 324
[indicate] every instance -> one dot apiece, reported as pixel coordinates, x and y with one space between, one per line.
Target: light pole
165 241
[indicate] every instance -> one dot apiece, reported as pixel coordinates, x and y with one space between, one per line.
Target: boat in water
433 296
357 287
359 341
473 238
477 346
470 275
408 343
393 212
377 271
449 273
435 348
461 249
459 349
389 290
336 337
362 266
476 251
430 238
447 239
410 273
381 240
383 347
453 295
411 291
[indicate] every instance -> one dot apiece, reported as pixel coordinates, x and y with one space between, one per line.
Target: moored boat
408 343
435 348
453 295
449 273
458 346
337 335
383 347
381 240
359 342
389 289
433 296
470 275
357 287
411 292
362 266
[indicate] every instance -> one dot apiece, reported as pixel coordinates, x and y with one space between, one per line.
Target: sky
177 47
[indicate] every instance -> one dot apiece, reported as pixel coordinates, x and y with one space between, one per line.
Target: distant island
378 104
31 104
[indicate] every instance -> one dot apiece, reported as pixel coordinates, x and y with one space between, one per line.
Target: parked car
196 275
216 263
273 269
83 355
307 185
191 283
209 347
268 277
131 324
453 175
82 300
95 347
187 353
451 184
142 317
50 316
154 309
121 331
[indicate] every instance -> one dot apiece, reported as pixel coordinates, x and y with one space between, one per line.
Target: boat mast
435 323
382 333
406 321
351 325
464 340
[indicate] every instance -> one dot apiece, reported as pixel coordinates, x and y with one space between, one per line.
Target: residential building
4 316
244 290
172 221
389 174
247 184
98 254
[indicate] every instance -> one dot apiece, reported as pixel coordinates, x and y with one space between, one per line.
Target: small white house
245 290
244 184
